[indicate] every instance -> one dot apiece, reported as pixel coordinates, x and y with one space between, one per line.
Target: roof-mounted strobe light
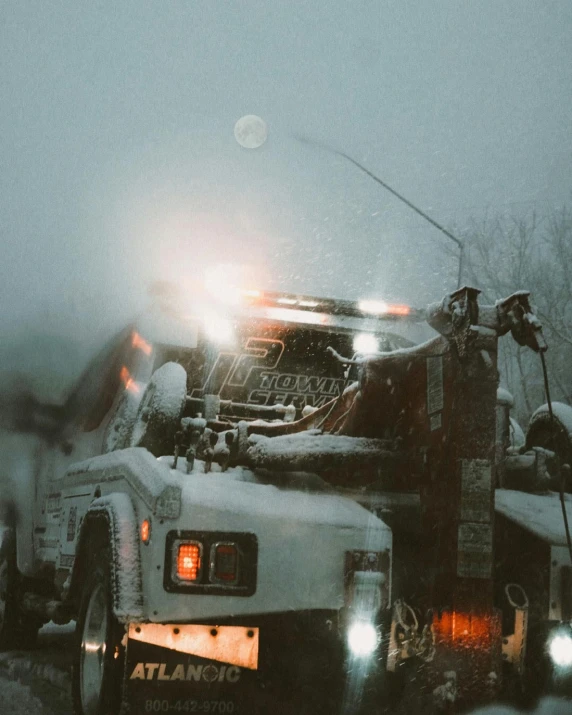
380 307
377 307
218 329
231 284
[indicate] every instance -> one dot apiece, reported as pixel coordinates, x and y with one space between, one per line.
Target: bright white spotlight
365 343
362 638
223 281
560 649
219 330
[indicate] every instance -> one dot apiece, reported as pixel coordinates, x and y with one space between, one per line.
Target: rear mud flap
300 676
162 680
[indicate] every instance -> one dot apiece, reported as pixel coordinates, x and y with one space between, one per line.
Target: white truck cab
200 581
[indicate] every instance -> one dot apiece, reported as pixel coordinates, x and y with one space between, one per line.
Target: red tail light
224 563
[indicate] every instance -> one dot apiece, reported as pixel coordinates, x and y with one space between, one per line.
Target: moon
250 131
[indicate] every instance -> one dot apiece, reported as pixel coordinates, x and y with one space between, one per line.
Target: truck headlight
560 648
363 638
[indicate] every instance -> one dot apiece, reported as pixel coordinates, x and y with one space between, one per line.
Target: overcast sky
119 164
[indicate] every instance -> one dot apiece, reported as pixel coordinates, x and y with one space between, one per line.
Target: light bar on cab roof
379 307
329 306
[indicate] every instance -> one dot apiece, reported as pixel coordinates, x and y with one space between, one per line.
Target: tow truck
291 504
199 581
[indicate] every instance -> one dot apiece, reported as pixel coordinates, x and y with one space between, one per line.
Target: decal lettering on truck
297 390
207 673
234 369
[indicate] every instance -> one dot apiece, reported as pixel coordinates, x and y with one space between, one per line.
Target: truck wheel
98 653
160 410
17 630
554 435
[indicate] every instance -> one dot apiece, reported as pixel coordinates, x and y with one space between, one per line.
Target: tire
18 630
556 434
97 672
160 410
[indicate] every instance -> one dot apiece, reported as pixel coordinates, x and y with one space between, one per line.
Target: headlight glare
362 638
560 649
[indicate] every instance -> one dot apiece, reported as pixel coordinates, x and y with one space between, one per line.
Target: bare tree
532 253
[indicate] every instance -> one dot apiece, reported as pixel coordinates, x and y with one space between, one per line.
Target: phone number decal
189 706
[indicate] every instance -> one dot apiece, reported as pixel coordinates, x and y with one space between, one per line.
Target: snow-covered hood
239 492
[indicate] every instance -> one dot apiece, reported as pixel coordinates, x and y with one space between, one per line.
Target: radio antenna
460 245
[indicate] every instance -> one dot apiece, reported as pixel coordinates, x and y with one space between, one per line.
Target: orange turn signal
145 531
189 562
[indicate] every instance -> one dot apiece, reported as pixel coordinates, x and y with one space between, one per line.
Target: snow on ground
17 699
37 682
547 706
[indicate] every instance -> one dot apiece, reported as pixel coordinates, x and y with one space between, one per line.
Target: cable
421 213
555 425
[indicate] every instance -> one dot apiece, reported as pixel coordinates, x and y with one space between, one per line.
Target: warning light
373 306
252 293
224 563
380 307
189 561
218 329
128 381
399 310
141 344
145 531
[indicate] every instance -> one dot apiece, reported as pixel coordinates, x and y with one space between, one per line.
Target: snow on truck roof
540 515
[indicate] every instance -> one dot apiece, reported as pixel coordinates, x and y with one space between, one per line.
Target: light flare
128 381
362 638
138 342
560 650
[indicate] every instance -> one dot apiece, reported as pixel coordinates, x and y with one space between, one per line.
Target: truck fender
113 517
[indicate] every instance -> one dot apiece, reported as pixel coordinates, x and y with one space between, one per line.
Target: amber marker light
189 562
128 381
252 294
398 309
145 531
137 341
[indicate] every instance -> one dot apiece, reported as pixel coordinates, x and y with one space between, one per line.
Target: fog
119 164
